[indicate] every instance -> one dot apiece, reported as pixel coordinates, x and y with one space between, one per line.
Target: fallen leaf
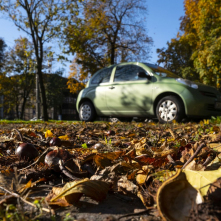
214 192
73 191
48 133
175 198
65 137
200 180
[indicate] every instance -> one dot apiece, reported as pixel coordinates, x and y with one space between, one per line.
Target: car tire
170 108
87 112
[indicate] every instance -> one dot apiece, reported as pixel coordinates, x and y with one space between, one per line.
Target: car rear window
103 76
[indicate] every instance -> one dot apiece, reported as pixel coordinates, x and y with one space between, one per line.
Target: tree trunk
112 54
17 112
23 108
43 96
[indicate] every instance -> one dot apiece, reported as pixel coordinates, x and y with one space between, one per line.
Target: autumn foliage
200 34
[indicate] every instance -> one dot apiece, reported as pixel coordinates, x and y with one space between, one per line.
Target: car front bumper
200 103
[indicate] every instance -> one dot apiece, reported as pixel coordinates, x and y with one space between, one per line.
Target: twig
66 172
19 133
171 160
194 155
17 196
136 214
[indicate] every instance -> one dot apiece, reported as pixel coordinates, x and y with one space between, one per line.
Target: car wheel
87 112
170 108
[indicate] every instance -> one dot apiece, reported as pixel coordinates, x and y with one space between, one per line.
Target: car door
129 94
97 90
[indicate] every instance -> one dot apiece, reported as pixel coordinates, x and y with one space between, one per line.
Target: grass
34 122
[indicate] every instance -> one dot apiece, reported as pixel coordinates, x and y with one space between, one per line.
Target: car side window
103 76
128 73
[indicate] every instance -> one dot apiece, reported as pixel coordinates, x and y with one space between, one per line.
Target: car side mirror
143 75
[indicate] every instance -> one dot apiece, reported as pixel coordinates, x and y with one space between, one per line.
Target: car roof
136 62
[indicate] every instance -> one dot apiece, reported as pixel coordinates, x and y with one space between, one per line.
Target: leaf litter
173 170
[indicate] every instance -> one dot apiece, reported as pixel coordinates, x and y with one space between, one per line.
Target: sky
162 23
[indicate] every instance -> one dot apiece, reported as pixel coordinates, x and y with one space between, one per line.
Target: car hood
201 87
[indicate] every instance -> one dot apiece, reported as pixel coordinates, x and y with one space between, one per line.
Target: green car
143 90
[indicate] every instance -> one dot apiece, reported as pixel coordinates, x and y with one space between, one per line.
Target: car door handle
111 87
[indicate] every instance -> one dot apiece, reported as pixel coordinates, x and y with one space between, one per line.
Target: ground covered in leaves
110 171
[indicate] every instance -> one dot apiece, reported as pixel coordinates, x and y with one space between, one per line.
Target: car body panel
124 98
139 98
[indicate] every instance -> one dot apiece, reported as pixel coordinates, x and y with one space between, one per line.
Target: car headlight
187 82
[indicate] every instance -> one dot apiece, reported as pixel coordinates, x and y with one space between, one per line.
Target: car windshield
161 71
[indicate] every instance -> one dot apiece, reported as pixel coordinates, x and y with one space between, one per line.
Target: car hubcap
168 110
85 112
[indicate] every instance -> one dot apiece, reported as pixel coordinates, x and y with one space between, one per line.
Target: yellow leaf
65 137
199 179
48 133
29 184
140 125
174 122
141 178
206 121
123 138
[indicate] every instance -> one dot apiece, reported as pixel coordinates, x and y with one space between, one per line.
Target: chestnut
110 132
98 146
26 151
55 141
53 157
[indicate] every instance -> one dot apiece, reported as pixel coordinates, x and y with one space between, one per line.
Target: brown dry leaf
5 139
130 155
72 191
186 154
156 162
30 184
113 155
175 198
6 180
130 166
214 192
163 153
101 161
215 146
146 198
216 129
126 186
132 175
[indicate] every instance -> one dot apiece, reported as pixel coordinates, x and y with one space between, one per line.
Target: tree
108 32
77 78
2 54
201 32
41 20
177 58
201 25
56 87
18 79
